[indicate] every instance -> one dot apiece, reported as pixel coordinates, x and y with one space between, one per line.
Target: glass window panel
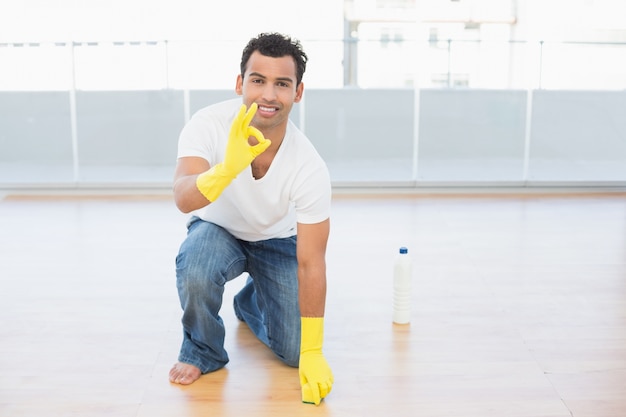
35 138
578 136
471 135
128 136
364 135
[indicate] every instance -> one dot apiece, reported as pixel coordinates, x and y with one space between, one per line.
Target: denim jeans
210 257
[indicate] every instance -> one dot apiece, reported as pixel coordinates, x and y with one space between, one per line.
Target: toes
173 374
176 374
184 374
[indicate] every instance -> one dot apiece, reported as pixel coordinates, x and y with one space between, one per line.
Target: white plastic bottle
402 273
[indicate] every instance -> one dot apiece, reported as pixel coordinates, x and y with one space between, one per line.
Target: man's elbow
182 203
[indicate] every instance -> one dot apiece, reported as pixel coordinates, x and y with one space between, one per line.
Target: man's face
271 83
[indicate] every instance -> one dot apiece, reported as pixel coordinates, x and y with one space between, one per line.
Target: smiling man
259 197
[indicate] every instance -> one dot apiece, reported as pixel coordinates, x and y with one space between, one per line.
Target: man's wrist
211 183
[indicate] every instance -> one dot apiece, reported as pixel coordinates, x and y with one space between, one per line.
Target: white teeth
266 108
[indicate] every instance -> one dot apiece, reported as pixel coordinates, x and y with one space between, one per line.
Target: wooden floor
519 309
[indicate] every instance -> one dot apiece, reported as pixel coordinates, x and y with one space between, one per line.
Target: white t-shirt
296 187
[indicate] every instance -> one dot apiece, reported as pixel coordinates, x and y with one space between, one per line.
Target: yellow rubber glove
316 377
239 154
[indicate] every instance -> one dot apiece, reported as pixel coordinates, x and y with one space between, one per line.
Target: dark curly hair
276 45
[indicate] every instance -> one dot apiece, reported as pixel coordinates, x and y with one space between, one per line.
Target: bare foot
184 374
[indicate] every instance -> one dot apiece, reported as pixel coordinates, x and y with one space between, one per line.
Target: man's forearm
312 291
187 196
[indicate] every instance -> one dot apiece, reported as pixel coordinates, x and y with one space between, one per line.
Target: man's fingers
311 394
241 114
250 114
253 131
325 389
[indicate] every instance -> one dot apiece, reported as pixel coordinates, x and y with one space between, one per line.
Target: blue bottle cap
404 250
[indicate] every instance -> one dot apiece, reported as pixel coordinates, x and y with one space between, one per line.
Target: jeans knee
194 272
288 353
292 359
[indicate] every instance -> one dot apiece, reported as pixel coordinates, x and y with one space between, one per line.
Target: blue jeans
268 303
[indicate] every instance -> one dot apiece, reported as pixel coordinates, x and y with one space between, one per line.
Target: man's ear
299 92
239 85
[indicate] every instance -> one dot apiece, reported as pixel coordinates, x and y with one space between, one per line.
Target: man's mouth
265 109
